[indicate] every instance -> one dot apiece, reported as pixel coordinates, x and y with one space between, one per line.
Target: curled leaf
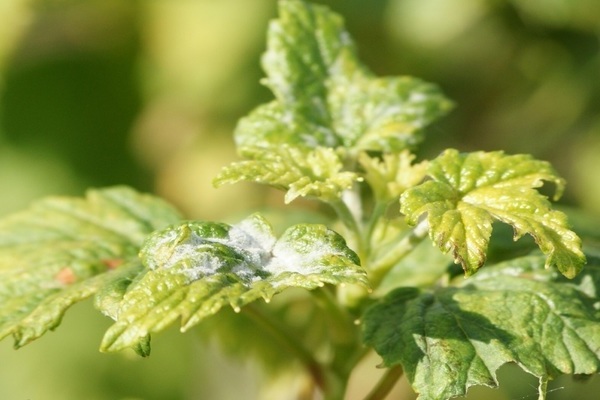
197 268
308 173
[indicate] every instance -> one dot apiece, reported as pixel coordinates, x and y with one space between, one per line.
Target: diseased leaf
468 191
63 250
325 97
198 267
457 337
391 175
315 173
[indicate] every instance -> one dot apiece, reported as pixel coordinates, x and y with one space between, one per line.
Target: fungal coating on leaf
248 249
325 97
196 268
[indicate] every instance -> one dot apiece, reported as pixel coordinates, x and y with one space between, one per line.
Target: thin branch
353 225
342 322
382 266
287 339
386 383
376 215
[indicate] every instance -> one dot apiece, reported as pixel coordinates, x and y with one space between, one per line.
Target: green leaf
315 173
468 191
198 267
63 250
457 337
325 97
392 174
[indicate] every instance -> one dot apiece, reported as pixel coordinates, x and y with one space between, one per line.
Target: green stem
382 266
288 340
346 338
386 383
345 215
351 222
343 326
543 388
376 215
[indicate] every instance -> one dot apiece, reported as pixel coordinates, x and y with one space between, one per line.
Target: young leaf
457 337
391 175
63 250
468 191
315 173
325 97
198 267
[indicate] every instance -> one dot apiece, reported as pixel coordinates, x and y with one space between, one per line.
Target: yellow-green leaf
314 173
468 191
393 173
325 97
63 250
198 267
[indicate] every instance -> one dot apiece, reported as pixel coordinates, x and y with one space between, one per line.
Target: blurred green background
147 93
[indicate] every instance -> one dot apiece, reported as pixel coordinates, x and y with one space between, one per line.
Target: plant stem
386 383
376 215
342 321
543 388
287 339
351 222
382 266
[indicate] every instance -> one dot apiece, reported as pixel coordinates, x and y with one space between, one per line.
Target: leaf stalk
386 383
285 338
383 265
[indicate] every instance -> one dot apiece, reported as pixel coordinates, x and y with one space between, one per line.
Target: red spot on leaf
112 263
66 276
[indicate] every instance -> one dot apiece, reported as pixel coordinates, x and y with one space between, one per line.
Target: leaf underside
198 267
469 191
63 250
457 337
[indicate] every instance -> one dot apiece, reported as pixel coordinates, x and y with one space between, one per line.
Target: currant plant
337 134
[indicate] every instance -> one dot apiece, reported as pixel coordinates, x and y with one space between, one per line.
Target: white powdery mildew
251 241
163 253
204 264
252 238
417 97
197 263
287 258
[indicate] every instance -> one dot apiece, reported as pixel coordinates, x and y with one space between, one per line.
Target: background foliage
147 93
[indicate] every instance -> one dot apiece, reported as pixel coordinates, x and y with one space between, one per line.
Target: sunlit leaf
325 97
314 173
63 250
391 175
468 191
452 338
198 267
